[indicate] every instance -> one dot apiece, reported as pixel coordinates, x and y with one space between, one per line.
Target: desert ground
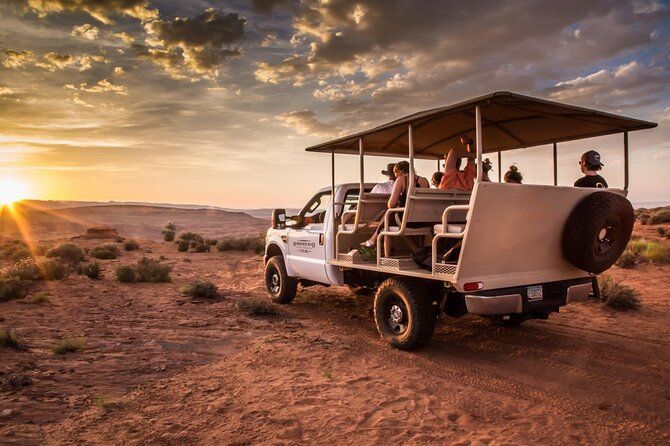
161 368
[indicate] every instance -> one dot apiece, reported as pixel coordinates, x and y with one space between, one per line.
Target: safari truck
508 252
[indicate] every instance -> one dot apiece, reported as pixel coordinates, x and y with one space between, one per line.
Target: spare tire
597 231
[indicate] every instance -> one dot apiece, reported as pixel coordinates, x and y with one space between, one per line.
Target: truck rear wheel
278 284
404 314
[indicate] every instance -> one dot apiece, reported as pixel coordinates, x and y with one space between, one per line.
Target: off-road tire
416 307
284 291
597 231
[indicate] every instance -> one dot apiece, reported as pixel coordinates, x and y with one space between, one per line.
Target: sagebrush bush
21 253
8 340
257 307
652 251
182 245
242 244
146 270
661 232
199 288
198 247
617 295
211 241
169 236
13 288
69 345
660 216
192 236
125 273
170 227
644 219
92 270
131 245
51 269
627 260
25 269
69 252
9 248
108 251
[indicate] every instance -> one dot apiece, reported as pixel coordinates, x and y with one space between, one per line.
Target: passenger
454 177
436 179
590 164
486 168
386 187
513 175
398 195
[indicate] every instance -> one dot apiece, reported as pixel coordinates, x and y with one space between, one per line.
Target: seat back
428 205
371 205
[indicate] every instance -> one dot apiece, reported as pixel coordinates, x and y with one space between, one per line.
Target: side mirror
278 218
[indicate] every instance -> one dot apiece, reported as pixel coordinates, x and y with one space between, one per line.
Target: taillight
473 286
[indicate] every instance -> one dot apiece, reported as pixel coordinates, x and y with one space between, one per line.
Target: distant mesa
102 232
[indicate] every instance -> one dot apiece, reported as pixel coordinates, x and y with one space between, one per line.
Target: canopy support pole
332 175
410 179
555 150
625 161
480 148
499 166
362 167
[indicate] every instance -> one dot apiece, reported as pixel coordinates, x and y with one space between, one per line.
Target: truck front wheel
278 284
404 314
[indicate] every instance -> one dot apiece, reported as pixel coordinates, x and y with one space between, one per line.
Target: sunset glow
11 190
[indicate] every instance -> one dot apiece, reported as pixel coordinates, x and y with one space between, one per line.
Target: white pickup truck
508 252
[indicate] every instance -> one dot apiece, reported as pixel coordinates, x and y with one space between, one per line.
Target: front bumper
515 300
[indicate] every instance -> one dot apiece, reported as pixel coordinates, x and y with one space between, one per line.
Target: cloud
86 31
306 123
125 37
54 61
102 86
202 43
267 6
101 10
86 61
18 59
6 91
119 71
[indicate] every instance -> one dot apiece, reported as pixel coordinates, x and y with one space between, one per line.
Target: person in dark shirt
590 164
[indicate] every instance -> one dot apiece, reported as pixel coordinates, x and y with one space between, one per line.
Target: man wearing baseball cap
386 187
590 164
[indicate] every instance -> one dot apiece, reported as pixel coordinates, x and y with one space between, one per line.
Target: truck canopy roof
509 121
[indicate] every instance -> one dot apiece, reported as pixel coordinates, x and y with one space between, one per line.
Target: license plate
534 292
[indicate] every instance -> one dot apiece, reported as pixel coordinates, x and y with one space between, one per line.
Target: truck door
306 245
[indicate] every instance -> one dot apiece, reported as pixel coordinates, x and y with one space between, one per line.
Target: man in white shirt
386 187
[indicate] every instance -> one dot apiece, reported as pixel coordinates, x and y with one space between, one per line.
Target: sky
213 102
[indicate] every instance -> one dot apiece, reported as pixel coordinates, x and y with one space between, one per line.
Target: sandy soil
162 369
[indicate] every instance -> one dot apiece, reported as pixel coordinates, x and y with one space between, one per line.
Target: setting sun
11 190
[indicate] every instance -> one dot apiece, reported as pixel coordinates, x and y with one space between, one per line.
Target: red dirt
177 371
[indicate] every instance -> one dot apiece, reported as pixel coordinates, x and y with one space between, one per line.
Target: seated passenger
486 168
436 179
590 165
386 187
454 177
513 175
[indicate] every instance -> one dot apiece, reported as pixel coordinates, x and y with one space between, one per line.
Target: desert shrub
661 232
211 241
131 245
8 340
168 236
149 270
146 270
242 243
9 248
170 227
618 296
627 260
192 236
199 288
25 269
69 345
37 299
182 245
660 216
650 250
105 403
69 252
644 219
51 269
257 307
91 270
125 274
41 249
13 288
107 251
198 247
20 254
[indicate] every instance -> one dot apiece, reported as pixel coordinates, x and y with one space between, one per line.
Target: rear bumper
516 301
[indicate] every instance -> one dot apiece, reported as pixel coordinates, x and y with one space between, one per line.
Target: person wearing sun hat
590 164
387 186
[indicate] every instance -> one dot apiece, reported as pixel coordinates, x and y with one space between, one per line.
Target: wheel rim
275 282
396 315
607 236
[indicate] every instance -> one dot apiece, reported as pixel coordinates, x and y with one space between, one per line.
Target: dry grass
146 270
69 252
13 288
8 340
242 244
131 245
200 289
92 270
618 296
257 307
69 345
108 251
650 251
37 299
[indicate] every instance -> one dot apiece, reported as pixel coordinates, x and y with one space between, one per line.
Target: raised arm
453 156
